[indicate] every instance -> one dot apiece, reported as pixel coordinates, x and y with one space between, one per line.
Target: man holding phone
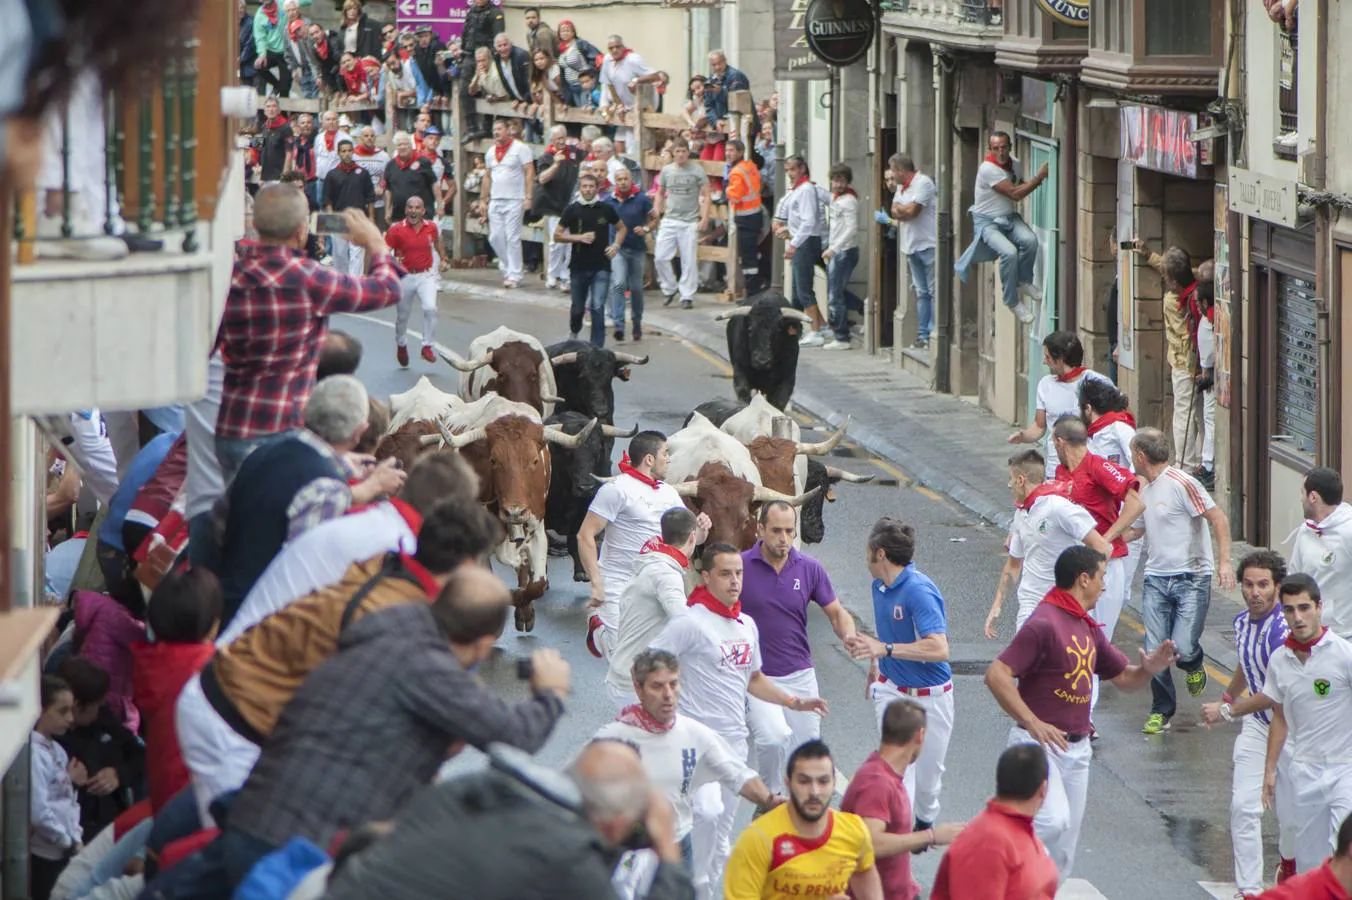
414 243
346 186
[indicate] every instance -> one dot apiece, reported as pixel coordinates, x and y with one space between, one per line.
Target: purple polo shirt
778 604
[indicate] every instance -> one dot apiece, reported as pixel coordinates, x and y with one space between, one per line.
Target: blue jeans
626 274
838 272
804 265
231 452
921 263
589 292
1174 608
1016 245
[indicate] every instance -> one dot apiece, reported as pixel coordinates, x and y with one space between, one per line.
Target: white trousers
1246 806
218 758
776 731
422 285
504 234
672 238
1209 430
1187 421
1321 796
620 698
1058 822
715 809
348 258
924 778
560 254
1109 609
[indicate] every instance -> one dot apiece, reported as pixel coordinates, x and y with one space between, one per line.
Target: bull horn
566 440
472 365
733 313
686 489
630 359
564 359
821 448
765 495
428 440
841 475
602 479
467 437
550 398
789 312
612 431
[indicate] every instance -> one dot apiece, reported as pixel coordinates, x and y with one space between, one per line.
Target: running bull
763 347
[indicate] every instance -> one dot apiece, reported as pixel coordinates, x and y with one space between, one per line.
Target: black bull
571 485
763 347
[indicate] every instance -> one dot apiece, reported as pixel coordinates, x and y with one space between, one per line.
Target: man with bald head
519 830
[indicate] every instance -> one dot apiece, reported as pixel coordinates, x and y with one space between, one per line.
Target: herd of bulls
537 425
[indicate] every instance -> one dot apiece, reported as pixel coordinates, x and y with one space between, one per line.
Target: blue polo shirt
634 211
905 611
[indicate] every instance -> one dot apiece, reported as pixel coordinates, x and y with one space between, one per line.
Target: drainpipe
943 258
1068 219
1329 439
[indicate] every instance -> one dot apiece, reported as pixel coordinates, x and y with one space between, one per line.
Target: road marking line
1079 889
1135 625
1221 890
926 492
708 357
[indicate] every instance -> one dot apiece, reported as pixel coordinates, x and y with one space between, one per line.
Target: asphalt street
1157 821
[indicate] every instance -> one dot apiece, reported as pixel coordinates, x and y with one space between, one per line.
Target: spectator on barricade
513 67
295 30
356 80
321 51
576 56
398 84
269 35
277 139
426 58
302 158
357 32
621 75
724 80
546 80
539 36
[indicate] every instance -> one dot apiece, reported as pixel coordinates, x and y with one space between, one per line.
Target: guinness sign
840 32
1071 12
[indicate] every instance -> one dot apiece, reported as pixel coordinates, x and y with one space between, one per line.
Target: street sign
1069 12
794 59
1270 199
446 17
840 32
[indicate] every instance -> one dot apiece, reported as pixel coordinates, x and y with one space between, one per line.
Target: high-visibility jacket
744 188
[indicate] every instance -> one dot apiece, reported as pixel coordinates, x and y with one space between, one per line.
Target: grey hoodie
654 595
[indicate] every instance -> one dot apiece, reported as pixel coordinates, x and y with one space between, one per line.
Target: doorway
1042 218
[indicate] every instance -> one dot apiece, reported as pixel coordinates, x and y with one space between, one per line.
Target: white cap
344 121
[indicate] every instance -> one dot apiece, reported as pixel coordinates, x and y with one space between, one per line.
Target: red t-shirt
877 792
996 857
1317 884
1053 655
1100 487
413 247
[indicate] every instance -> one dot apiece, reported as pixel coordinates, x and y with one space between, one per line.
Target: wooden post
7 188
458 157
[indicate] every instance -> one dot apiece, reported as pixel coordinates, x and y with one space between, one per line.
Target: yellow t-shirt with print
772 862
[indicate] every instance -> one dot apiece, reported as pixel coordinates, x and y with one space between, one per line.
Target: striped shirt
1255 641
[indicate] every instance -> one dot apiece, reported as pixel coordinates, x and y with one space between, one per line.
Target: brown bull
516 373
406 443
731 503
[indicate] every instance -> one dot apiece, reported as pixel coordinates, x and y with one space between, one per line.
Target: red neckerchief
638 717
411 516
850 191
799 183
656 545
417 140
1303 646
304 154
277 122
626 52
430 155
1065 600
271 13
1071 375
322 48
1107 419
905 182
293 29
412 161
627 468
348 167
421 574
1211 315
1315 527
1187 301
330 140
1007 166
360 150
1187 296
1046 489
634 191
500 150
701 596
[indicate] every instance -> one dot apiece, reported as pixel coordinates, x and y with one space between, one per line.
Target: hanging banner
1160 139
794 59
1126 266
1221 321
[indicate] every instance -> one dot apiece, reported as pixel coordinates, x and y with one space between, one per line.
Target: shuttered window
1297 363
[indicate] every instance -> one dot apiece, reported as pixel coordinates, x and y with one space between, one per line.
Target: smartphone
1126 245
330 223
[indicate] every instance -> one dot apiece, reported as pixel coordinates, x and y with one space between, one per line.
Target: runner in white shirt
629 510
1111 427
1045 523
679 754
1323 546
1058 393
1309 679
326 148
506 190
719 650
655 595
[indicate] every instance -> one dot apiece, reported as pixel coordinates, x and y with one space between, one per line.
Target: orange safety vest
744 188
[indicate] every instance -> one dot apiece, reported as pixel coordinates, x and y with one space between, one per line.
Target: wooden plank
528 232
460 209
664 121
342 106
740 102
708 253
577 116
294 104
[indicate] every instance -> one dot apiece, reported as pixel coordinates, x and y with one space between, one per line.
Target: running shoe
428 354
1156 724
1196 682
401 354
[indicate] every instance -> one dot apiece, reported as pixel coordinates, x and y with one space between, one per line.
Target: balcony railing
971 24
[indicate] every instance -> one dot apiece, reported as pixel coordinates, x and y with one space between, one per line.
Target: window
1178 27
1297 365
1288 68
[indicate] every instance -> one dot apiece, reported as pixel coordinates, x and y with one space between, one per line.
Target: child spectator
183 617
54 823
105 629
111 754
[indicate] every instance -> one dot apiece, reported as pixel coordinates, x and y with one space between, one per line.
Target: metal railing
976 12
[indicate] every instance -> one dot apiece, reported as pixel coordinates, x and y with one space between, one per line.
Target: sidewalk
948 444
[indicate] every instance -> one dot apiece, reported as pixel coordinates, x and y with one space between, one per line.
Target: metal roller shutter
1297 363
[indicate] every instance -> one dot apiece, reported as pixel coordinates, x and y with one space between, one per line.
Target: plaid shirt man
274 323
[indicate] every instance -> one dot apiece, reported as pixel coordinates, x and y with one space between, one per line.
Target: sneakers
1030 293
811 338
1196 682
428 355
669 298
566 287
1207 477
551 283
836 344
1023 312
619 333
1156 724
401 354
687 304
511 282
920 344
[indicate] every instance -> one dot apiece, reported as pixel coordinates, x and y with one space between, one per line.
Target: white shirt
1059 398
94 452
988 202
204 483
319 558
718 657
844 233
374 165
1206 343
1113 443
1180 542
1320 724
654 595
1324 552
922 232
802 213
619 74
326 159
633 514
1038 537
509 173
54 813
682 760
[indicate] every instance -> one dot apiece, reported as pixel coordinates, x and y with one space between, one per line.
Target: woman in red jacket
183 616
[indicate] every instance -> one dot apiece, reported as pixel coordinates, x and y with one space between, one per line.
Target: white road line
1079 889
1221 890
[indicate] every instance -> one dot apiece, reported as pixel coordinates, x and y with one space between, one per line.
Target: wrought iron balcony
968 24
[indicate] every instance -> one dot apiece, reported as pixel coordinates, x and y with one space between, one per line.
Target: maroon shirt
877 792
1100 487
1053 656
